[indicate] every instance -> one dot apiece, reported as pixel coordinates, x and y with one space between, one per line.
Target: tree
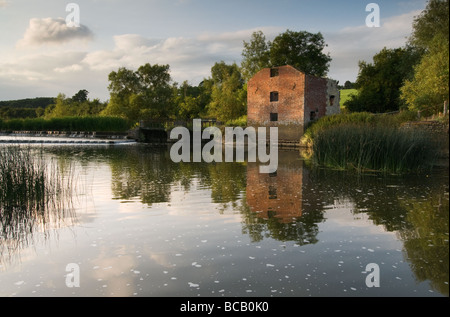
189 101
256 55
228 93
81 96
428 90
142 94
349 85
433 21
302 50
379 83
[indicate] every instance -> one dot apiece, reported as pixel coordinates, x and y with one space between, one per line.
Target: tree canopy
429 89
302 50
379 83
142 94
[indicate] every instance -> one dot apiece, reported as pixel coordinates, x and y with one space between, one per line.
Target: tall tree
428 91
256 55
379 83
142 94
302 50
433 21
228 93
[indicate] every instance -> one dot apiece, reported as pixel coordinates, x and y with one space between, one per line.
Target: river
139 224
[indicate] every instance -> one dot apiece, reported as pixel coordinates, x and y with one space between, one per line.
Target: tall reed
34 195
373 147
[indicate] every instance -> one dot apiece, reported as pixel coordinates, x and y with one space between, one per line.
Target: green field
345 95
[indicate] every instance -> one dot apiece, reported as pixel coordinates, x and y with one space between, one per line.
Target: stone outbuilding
286 98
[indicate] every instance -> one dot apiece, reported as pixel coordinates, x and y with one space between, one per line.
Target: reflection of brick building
277 195
288 99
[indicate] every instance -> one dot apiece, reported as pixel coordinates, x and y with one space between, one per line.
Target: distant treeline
40 102
25 108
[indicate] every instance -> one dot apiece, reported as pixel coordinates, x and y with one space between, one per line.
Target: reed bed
371 147
34 195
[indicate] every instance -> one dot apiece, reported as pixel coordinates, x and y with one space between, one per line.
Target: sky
42 55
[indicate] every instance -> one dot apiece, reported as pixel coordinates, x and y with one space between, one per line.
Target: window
312 115
272 192
274 72
274 117
332 100
274 96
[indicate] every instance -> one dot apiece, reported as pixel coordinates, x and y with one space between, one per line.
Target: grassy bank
67 124
363 142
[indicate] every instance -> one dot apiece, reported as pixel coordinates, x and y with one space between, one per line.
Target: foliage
40 102
379 83
228 92
432 22
302 50
190 101
78 105
255 56
142 94
428 90
239 122
67 124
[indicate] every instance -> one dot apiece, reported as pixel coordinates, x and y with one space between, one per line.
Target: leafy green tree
81 96
228 92
256 55
302 50
142 94
379 83
428 91
432 22
189 101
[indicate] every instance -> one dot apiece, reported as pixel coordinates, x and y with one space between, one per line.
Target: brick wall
277 195
288 99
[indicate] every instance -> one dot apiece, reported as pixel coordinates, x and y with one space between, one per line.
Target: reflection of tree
149 174
416 207
426 243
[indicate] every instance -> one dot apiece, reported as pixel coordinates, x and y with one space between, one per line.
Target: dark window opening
274 117
274 72
312 116
274 96
272 192
332 100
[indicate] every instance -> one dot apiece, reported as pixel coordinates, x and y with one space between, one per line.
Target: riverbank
368 142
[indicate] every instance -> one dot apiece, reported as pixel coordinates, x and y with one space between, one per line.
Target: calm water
140 225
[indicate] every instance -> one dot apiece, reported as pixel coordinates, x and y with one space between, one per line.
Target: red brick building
286 98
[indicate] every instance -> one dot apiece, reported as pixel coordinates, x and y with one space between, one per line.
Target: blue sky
41 56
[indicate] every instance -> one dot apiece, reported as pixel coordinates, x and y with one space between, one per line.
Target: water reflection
289 206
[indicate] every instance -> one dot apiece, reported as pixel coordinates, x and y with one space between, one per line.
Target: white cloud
350 45
52 31
68 70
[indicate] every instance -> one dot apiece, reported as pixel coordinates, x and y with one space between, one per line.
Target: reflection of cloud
52 31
